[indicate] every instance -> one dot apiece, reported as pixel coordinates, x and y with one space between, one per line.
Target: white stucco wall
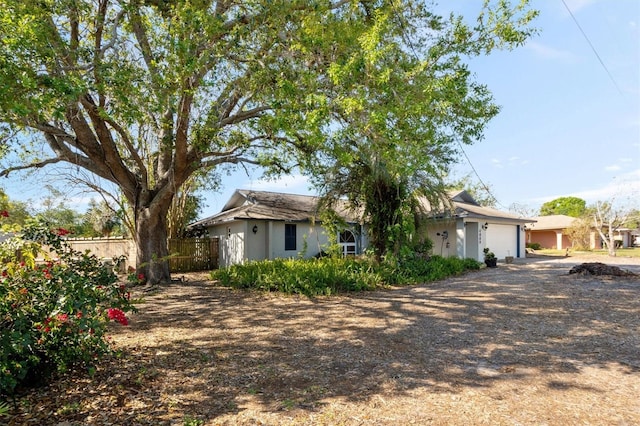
232 238
441 246
256 244
310 240
468 240
238 242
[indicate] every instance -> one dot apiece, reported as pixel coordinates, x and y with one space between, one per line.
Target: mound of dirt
597 268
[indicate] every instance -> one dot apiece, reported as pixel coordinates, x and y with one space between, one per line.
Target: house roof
463 205
555 221
264 205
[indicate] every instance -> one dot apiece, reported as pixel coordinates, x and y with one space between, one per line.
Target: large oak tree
146 93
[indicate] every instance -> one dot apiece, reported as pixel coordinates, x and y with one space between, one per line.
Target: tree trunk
612 241
151 243
383 204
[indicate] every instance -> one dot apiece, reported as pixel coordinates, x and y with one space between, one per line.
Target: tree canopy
569 206
145 93
410 102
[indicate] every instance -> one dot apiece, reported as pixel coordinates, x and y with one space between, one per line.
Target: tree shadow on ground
229 347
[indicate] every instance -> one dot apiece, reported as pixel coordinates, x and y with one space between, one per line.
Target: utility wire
592 47
407 40
484 185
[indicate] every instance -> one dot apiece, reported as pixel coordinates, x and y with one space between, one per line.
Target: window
348 242
289 236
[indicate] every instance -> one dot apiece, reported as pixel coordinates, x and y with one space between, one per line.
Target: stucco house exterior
550 231
466 229
256 225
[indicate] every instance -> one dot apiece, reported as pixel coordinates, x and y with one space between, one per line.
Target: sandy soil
520 344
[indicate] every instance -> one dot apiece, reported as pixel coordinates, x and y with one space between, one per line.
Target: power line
409 42
592 47
484 185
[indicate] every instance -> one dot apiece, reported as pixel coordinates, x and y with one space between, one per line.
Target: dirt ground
520 344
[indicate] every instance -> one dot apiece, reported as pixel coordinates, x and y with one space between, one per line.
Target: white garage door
502 240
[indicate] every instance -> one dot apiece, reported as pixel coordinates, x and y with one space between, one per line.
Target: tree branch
229 160
37 165
245 115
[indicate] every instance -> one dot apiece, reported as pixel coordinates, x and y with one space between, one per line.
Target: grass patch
326 276
621 252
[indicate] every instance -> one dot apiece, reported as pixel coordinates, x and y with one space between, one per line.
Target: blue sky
569 125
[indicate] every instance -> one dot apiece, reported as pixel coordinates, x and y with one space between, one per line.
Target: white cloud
297 184
623 190
613 168
576 5
547 52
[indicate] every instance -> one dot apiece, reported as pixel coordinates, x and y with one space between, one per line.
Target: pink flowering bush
54 315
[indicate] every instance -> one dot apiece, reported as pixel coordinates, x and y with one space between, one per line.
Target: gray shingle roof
463 205
264 205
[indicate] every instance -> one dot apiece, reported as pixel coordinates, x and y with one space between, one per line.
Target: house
256 225
550 231
466 228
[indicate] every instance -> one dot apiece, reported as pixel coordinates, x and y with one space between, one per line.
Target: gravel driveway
520 344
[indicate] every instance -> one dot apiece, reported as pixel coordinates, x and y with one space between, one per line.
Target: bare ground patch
520 344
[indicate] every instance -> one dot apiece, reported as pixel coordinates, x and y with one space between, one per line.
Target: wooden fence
186 255
193 254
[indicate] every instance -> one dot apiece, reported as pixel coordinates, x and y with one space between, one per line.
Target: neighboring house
625 237
467 228
256 225
550 231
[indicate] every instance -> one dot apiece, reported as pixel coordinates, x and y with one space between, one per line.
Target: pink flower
63 317
117 315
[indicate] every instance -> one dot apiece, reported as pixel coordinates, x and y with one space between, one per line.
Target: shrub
329 275
53 316
534 246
